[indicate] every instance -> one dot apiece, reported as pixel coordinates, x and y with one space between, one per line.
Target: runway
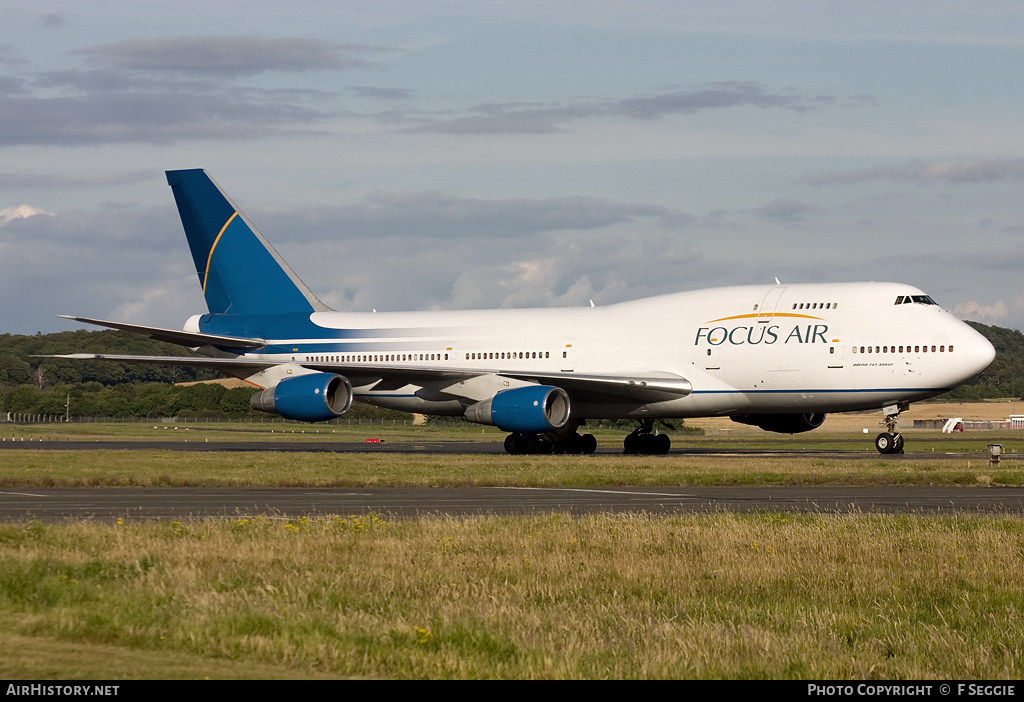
108 504
53 504
778 449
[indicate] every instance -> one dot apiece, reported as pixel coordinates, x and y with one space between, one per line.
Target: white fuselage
745 350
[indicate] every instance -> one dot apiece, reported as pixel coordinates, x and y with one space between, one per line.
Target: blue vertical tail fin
240 272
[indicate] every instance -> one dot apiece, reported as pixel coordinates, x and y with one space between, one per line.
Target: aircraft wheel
631 444
570 443
511 445
898 448
885 443
662 444
588 444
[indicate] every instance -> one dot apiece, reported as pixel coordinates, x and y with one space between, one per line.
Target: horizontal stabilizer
227 365
182 338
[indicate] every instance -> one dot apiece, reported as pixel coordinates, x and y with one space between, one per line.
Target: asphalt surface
460 447
104 504
54 504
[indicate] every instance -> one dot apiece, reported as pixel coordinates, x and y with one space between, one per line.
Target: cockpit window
919 299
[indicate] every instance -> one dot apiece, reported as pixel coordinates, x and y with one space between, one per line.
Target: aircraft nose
980 354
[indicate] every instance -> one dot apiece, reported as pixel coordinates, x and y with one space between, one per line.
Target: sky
422 154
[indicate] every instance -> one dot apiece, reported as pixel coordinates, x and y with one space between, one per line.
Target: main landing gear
643 440
573 443
891 441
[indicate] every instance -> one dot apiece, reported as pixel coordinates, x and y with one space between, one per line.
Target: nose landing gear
891 441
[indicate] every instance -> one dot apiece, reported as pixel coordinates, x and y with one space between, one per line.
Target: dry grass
764 596
28 468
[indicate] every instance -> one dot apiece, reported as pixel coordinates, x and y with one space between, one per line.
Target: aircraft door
836 352
766 310
568 362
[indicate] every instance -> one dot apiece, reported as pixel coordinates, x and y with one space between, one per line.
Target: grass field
817 596
852 459
752 596
28 468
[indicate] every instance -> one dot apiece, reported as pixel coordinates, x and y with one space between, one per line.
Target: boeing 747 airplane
775 356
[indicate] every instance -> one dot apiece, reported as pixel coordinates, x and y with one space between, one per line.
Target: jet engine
315 397
531 410
781 423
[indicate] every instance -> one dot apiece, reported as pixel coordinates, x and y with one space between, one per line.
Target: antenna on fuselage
777 281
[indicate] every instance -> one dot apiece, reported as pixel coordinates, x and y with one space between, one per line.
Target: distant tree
1005 377
13 370
39 377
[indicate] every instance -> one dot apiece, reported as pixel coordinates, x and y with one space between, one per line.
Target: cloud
437 215
227 57
784 210
165 90
518 118
20 212
157 114
7 59
430 250
91 262
986 314
11 181
978 171
52 20
12 86
383 93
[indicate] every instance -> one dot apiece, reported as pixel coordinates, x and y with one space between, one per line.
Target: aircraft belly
406 397
415 405
681 408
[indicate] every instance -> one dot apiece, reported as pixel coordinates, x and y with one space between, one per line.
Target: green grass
855 461
742 437
243 431
736 596
45 468
760 596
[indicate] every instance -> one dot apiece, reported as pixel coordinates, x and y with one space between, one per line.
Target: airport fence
27 418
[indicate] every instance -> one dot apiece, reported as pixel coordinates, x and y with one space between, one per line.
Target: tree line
1005 377
53 386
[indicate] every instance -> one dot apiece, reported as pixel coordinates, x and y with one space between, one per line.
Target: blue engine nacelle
530 410
315 397
781 423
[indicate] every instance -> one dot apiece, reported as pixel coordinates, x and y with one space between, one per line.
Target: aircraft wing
649 385
182 338
637 385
